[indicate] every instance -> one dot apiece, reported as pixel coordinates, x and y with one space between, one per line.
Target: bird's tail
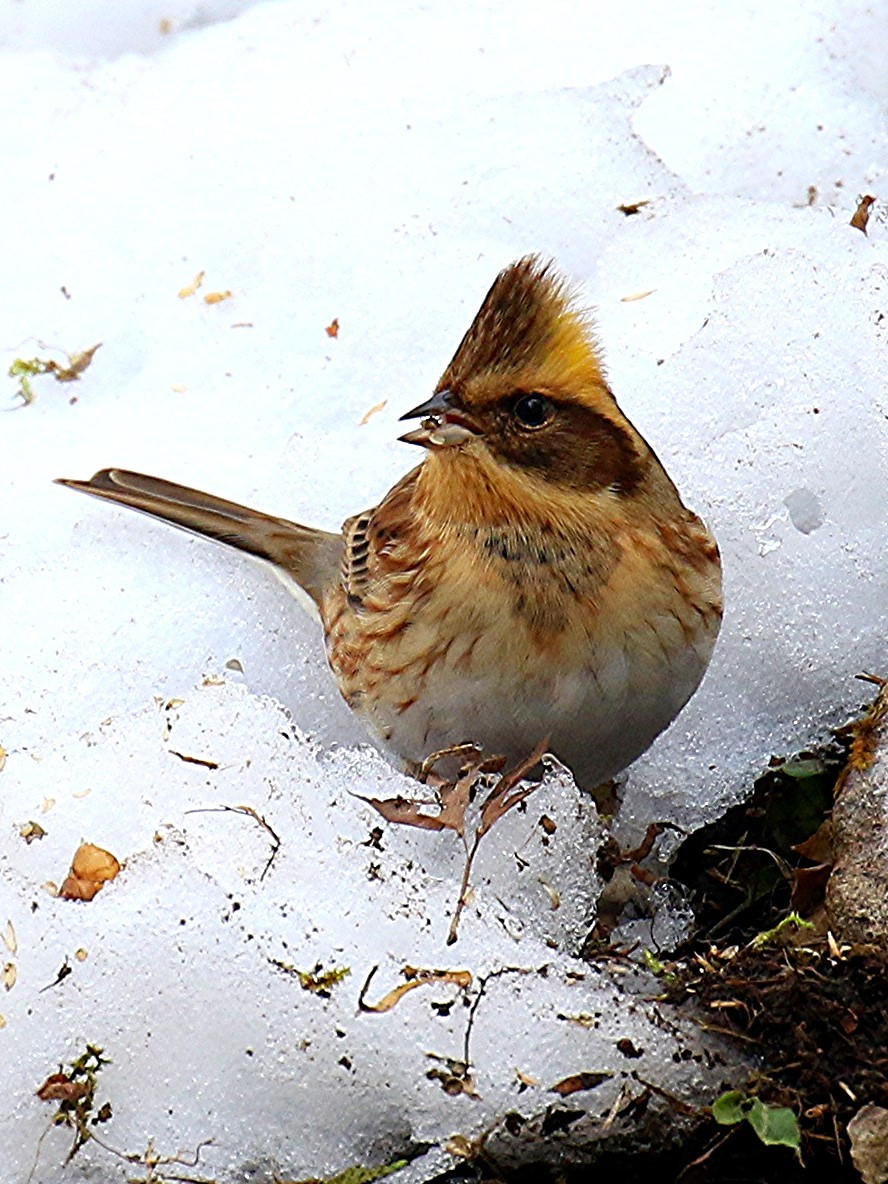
311 557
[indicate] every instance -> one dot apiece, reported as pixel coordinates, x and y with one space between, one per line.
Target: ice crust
379 167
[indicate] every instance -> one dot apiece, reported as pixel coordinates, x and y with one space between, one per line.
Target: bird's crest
528 319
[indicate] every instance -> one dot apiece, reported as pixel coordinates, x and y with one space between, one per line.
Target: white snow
378 165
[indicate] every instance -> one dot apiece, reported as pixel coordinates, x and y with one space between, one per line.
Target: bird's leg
423 771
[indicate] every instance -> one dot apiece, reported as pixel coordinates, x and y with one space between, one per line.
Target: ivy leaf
730 1108
776 1126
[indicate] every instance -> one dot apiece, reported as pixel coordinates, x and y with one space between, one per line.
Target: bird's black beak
439 404
444 422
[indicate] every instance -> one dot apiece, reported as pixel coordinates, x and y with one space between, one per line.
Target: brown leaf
861 215
403 811
416 977
91 868
820 847
578 1082
507 794
455 801
77 363
632 207
31 831
332 330
809 888
368 415
218 297
454 1084
60 1088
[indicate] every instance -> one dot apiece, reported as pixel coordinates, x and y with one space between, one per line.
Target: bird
536 576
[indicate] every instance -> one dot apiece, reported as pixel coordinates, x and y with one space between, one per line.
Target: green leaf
803 767
774 1125
791 924
730 1108
652 962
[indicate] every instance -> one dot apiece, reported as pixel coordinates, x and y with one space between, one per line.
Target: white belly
598 717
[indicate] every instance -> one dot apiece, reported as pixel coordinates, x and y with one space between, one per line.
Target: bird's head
525 397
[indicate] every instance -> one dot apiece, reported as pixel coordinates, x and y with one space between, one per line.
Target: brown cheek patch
581 450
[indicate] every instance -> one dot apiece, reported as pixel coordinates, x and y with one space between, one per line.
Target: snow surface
379 165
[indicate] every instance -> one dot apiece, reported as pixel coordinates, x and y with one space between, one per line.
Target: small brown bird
536 576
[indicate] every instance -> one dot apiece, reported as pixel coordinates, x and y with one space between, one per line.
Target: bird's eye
532 411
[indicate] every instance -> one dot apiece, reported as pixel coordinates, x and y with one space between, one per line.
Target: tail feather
311 557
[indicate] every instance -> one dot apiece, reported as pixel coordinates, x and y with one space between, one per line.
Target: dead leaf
416 977
404 811
462 1147
578 1082
368 415
809 888
9 976
24 369
455 800
191 288
455 1083
218 297
506 795
60 1088
91 868
553 893
835 950
77 363
861 215
637 296
318 981
583 1018
194 760
821 846
30 831
10 940
632 207
332 330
